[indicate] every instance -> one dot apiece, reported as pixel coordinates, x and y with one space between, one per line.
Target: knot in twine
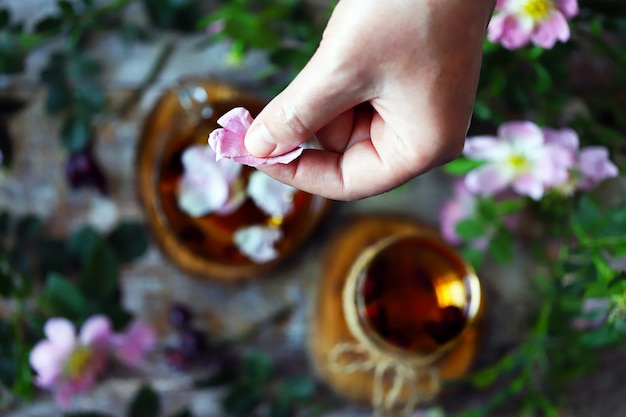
420 382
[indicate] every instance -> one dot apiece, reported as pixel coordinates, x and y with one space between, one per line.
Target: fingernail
258 141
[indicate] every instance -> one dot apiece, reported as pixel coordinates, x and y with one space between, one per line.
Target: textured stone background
36 184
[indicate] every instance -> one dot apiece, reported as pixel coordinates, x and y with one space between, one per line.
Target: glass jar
396 315
204 246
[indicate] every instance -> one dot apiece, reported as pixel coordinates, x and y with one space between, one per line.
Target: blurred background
78 78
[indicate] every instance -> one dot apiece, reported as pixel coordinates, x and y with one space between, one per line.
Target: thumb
313 99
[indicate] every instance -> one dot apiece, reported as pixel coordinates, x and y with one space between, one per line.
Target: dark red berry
82 170
176 358
193 343
180 316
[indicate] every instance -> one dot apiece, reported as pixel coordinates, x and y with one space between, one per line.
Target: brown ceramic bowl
183 116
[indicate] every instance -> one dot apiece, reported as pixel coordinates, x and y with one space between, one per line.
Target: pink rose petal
569 8
132 346
228 141
257 242
486 180
515 24
96 330
553 28
61 333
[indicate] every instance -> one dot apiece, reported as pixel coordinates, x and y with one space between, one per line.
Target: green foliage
129 240
254 388
461 166
173 14
285 30
533 373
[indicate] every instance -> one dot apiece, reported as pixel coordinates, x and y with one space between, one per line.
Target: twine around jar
421 383
409 372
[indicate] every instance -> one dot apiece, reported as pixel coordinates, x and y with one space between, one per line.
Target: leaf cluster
254 388
531 376
286 30
251 387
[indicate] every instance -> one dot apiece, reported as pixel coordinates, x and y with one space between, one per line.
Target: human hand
388 94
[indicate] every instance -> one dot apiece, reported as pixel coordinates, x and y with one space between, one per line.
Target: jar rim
352 299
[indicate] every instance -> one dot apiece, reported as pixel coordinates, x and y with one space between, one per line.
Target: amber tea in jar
397 313
204 246
211 236
413 295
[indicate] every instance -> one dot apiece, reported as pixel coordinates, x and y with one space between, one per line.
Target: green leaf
543 80
100 275
5 18
299 388
257 367
51 255
470 229
82 68
83 242
617 279
67 8
501 246
281 407
487 210
49 24
7 286
473 256
90 96
76 132
604 336
64 298
87 414
58 98
482 110
54 71
145 403
587 214
461 166
11 60
129 240
26 229
5 221
29 40
240 400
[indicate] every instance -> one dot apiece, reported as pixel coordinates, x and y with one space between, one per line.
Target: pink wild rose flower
69 364
228 141
517 23
519 158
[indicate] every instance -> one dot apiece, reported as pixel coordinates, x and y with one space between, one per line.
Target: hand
388 94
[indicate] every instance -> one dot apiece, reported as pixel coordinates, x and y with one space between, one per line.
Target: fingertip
259 141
